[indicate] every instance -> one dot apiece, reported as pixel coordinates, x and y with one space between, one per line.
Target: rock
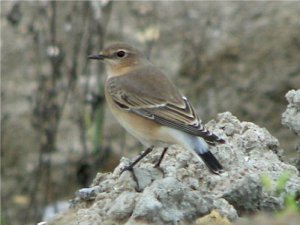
245 194
88 193
291 116
297 161
146 176
184 190
291 119
225 209
170 201
123 206
214 218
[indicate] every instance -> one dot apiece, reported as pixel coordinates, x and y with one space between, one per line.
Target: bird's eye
121 54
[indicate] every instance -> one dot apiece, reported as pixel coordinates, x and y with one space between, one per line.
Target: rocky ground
183 190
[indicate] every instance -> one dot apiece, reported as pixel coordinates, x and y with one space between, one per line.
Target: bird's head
120 58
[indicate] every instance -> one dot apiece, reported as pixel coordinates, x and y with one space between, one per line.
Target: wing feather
176 114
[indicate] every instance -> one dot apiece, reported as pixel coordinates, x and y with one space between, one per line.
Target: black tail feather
211 162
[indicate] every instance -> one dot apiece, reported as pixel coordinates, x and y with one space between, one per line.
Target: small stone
88 193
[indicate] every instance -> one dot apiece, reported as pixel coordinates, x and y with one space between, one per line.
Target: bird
150 107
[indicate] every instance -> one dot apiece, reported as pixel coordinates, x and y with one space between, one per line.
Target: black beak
96 57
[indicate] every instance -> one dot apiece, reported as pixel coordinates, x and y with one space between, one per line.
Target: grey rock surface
183 190
291 117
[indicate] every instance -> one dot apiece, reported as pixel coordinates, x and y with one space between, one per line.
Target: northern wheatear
149 106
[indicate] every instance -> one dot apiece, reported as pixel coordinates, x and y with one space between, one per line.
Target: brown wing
168 107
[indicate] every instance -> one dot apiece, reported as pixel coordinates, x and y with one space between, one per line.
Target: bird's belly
142 129
145 130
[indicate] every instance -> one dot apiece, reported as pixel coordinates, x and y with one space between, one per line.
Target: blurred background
56 132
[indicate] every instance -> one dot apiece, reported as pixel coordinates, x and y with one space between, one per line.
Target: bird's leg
132 164
161 157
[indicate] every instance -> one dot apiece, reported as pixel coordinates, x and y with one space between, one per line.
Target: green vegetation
291 200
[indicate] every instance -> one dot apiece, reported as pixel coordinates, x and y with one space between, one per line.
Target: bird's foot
132 164
126 168
131 169
157 164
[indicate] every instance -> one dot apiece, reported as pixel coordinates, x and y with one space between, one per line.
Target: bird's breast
145 130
